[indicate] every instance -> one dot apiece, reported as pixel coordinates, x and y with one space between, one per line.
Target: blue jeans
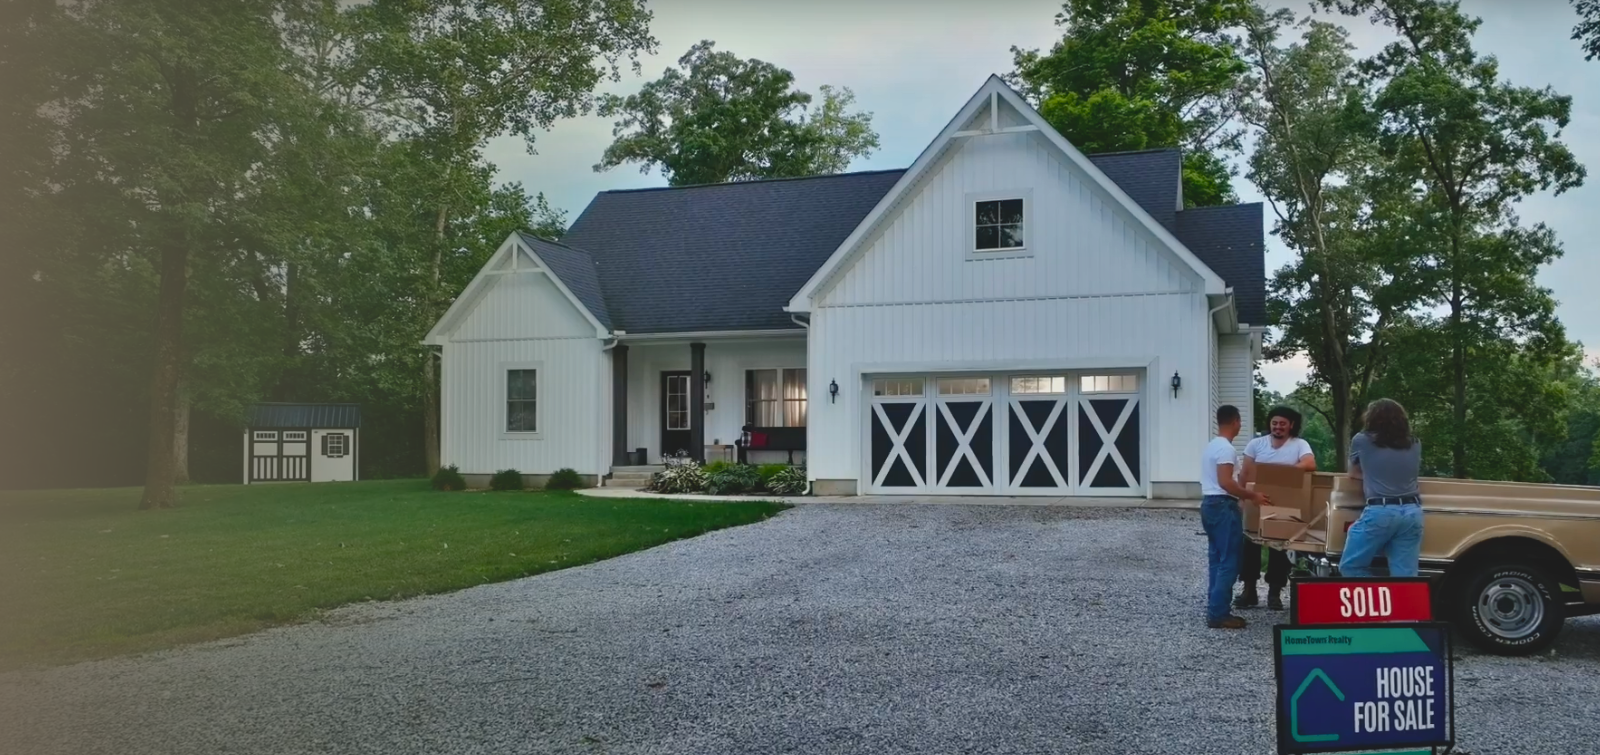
1394 531
1224 526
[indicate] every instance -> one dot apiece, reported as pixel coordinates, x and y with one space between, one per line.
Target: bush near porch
728 478
85 574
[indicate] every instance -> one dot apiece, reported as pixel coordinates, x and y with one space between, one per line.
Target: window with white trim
963 386
522 401
1108 383
333 445
1033 384
997 225
294 435
897 387
265 435
775 398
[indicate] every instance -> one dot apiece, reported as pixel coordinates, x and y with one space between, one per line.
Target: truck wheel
1509 609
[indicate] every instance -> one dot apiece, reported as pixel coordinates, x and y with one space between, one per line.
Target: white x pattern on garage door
1059 434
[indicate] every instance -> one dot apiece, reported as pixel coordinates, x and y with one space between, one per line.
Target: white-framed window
997 225
522 399
335 445
265 435
1108 383
1034 384
775 397
294 435
897 387
964 386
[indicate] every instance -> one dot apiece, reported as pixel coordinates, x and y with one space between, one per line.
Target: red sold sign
1346 600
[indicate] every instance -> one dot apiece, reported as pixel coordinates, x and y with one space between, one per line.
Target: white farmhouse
1006 317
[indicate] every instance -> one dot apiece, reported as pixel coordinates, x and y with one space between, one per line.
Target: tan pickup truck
1510 561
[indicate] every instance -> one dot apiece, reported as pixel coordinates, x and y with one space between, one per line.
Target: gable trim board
509 259
988 96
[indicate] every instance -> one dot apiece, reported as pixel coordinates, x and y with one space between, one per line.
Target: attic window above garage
997 225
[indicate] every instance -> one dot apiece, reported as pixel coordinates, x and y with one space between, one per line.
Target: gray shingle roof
1231 241
729 256
1150 177
305 415
719 257
577 270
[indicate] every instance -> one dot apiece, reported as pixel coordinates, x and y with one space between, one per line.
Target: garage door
1007 434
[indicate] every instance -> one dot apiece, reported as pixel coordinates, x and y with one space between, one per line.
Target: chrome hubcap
1511 607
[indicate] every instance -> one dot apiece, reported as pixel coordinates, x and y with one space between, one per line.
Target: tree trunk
1458 363
160 469
430 377
1339 395
180 438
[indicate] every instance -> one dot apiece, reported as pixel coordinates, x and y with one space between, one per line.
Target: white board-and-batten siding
522 320
1236 382
1093 290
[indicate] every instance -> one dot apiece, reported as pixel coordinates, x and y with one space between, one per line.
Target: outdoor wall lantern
833 390
1177 382
707 377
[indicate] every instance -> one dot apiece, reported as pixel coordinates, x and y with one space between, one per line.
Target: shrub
715 467
769 471
789 481
733 479
506 479
449 478
680 477
565 478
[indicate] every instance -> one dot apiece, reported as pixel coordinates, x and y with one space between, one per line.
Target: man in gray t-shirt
1386 472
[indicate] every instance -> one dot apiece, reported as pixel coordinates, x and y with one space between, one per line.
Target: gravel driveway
829 629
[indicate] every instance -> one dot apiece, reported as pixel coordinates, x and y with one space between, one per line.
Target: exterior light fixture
833 391
1177 382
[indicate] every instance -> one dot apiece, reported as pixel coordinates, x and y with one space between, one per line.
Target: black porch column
619 405
697 401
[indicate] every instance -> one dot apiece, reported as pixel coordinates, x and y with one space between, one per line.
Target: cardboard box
1283 529
1252 516
1287 487
1280 513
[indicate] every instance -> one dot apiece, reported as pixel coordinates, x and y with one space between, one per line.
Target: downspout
1228 302
615 336
796 320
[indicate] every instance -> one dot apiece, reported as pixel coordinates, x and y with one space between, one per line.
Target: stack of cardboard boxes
1299 504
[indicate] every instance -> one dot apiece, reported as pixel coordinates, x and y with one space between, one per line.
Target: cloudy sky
913 63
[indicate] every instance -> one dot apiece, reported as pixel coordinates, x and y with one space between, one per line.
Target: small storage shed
302 443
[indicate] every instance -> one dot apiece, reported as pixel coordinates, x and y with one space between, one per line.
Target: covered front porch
695 395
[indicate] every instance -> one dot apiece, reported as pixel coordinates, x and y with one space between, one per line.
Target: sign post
1344 687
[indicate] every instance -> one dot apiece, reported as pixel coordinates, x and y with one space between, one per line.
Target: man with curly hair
1281 445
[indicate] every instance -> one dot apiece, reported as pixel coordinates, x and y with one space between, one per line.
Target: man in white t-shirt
1281 445
1224 523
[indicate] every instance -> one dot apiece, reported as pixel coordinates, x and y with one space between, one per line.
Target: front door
676 418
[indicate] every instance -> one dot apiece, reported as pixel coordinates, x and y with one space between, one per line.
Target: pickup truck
1510 561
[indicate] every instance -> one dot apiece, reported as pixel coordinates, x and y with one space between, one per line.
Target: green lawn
84 574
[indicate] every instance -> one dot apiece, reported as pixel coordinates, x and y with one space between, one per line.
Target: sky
914 63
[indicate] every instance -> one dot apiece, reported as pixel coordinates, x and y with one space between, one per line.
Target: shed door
280 455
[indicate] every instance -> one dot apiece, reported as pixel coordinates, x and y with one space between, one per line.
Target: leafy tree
719 118
178 106
1314 157
448 75
1588 29
1471 146
1137 74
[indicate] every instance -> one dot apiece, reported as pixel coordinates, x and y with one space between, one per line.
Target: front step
631 477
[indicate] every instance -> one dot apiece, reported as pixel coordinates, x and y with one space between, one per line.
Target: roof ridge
757 181
1145 151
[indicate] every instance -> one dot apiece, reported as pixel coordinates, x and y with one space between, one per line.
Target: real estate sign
1345 687
1359 600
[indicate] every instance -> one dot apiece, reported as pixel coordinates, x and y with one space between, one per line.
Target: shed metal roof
305 415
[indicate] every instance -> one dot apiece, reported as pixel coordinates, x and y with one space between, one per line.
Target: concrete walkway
949 500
